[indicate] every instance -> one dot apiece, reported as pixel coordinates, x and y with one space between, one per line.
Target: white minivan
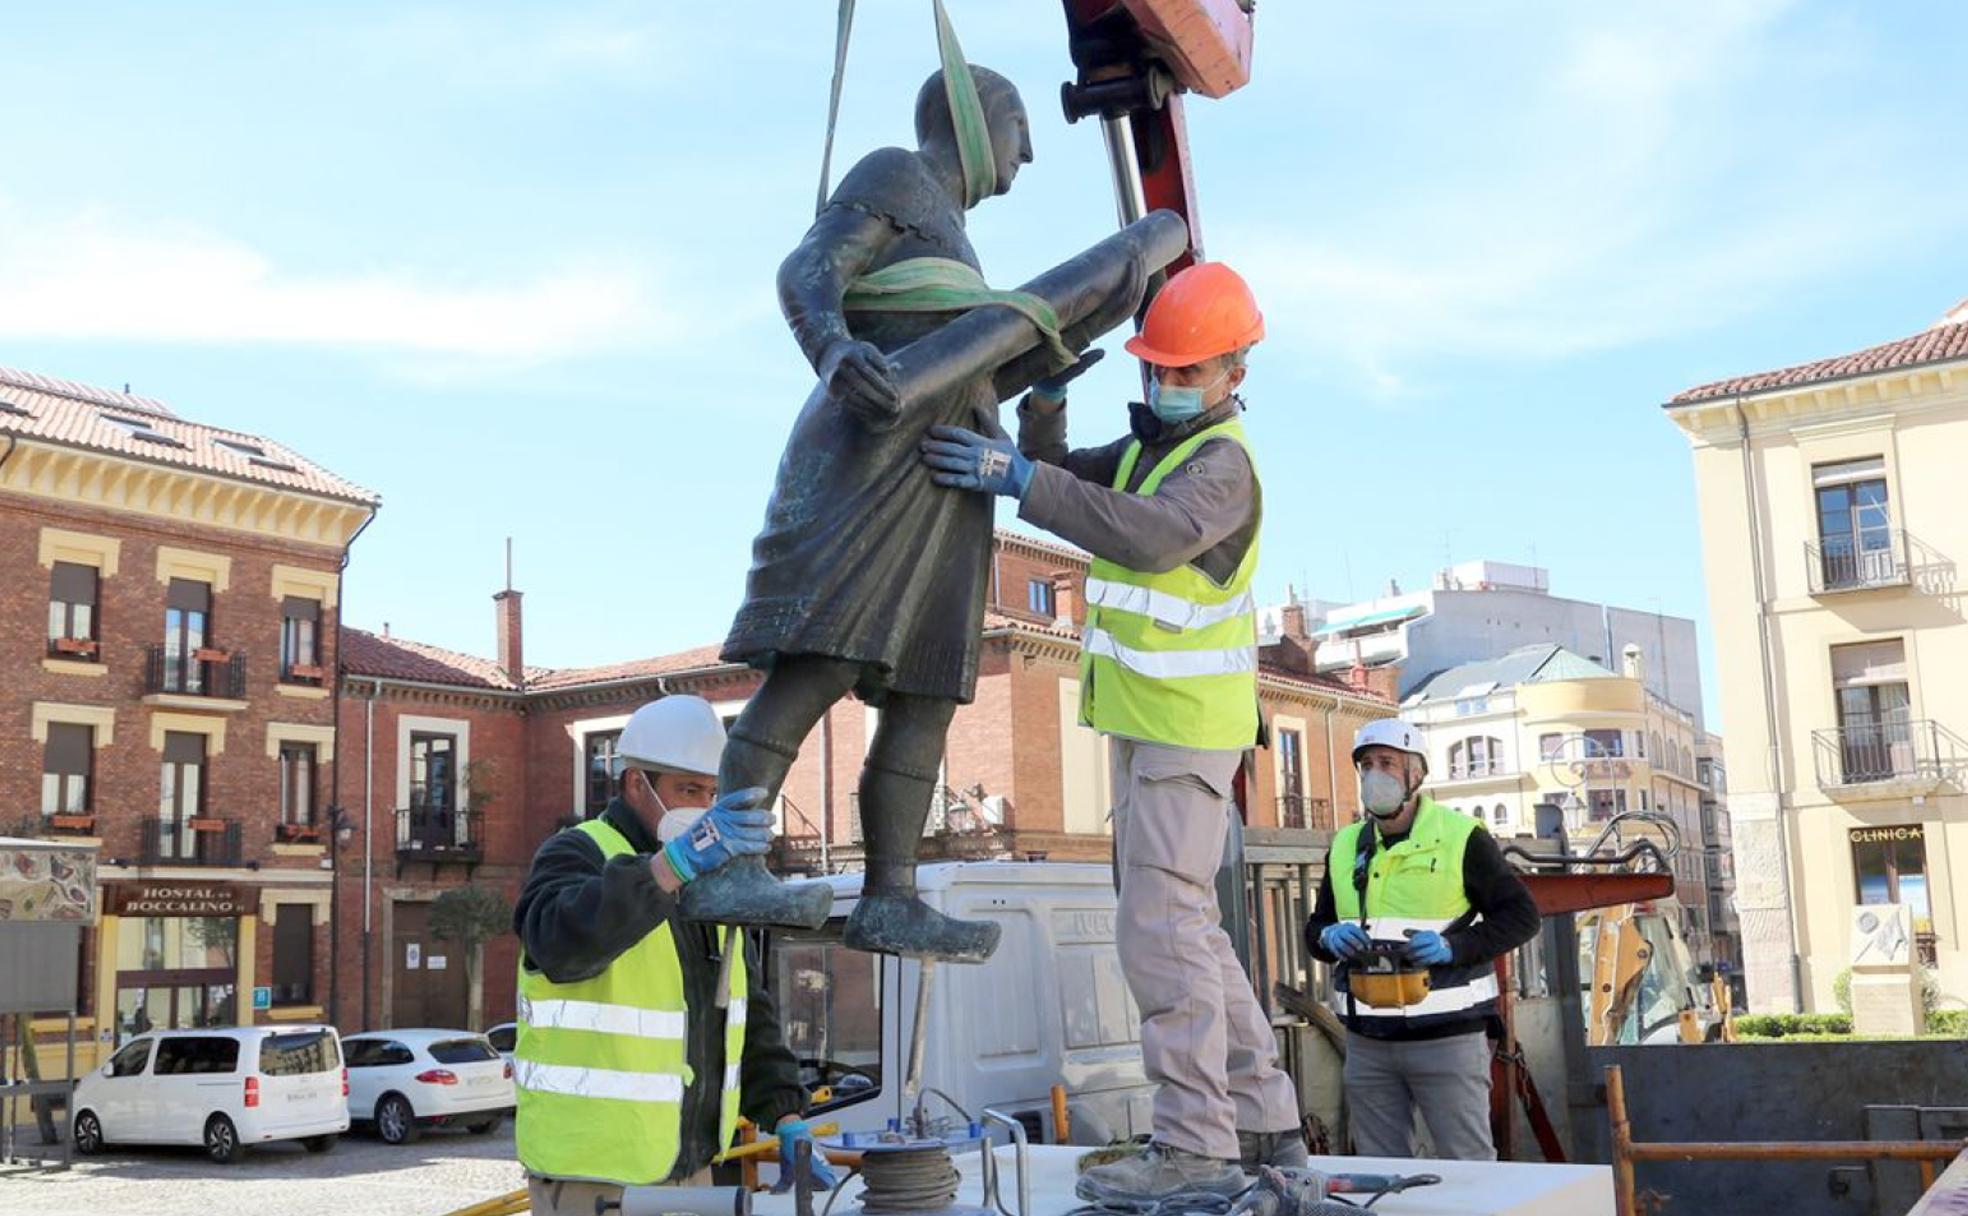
225 1089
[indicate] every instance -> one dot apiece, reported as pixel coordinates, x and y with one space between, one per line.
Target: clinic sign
178 899
1883 835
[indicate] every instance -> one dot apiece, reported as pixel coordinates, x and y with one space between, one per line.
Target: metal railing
44 827
1846 563
189 842
437 833
1874 752
949 811
189 676
1477 768
1299 811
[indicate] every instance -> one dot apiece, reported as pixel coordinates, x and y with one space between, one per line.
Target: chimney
1630 665
1291 622
506 619
1065 600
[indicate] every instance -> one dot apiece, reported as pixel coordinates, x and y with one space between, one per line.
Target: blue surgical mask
1177 404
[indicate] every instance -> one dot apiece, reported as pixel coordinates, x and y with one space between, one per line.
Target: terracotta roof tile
368 654
575 677
1943 343
78 415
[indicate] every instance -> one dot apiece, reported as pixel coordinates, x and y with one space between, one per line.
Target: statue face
1011 136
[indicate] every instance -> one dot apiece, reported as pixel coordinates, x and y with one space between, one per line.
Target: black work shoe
744 892
1279 1150
903 925
1158 1172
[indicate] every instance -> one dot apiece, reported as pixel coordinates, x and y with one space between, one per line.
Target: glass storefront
176 972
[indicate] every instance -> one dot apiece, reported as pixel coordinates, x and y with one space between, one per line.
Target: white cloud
98 277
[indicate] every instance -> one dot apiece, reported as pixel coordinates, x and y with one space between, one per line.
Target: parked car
502 1037
225 1089
402 1081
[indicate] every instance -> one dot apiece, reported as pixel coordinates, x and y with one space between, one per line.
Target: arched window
1502 813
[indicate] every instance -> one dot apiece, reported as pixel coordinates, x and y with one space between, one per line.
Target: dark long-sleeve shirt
579 912
1205 512
1507 916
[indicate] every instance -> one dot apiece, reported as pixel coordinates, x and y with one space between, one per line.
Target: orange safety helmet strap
1206 311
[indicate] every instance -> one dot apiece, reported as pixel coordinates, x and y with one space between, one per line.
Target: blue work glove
735 826
790 1134
1429 948
1053 387
965 460
1345 939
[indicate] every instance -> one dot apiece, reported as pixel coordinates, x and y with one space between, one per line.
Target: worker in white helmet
1415 887
638 1048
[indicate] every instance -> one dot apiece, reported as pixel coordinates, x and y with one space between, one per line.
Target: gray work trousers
1205 1042
1447 1080
552 1197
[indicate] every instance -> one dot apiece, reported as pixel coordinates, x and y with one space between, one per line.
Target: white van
1049 1008
225 1089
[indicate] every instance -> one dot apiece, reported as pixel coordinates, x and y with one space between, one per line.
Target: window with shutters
1039 597
293 954
187 618
72 593
181 797
65 768
300 640
297 784
1875 710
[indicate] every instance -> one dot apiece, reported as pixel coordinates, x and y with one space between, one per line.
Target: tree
470 917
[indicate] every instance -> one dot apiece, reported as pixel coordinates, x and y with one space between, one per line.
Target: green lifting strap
973 132
980 168
938 284
947 285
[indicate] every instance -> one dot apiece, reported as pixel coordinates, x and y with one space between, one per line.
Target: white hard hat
1390 732
675 734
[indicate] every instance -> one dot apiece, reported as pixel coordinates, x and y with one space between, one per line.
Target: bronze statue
868 578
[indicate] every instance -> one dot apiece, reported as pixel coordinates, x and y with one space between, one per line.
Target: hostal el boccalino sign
178 899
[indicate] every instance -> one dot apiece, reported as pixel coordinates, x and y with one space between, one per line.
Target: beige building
1834 516
1543 724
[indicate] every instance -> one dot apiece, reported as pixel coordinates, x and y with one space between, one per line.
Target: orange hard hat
1206 311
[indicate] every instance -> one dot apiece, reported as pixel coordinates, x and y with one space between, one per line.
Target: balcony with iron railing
1888 759
200 841
206 678
438 835
1300 812
75 824
1846 563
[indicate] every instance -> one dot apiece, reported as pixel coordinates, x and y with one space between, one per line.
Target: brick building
166 647
461 765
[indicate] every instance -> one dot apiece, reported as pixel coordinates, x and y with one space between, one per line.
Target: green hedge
1944 1023
1949 1022
1783 1025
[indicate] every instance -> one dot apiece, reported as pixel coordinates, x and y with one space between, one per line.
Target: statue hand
860 378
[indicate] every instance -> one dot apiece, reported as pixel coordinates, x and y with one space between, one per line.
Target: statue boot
744 892
891 917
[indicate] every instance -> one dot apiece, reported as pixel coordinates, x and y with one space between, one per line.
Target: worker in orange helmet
1168 670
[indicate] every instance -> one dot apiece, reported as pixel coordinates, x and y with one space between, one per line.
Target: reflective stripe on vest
1415 885
600 1066
1172 658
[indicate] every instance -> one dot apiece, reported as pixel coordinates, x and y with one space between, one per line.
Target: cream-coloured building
1543 724
1834 516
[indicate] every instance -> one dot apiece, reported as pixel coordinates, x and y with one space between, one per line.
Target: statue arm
840 246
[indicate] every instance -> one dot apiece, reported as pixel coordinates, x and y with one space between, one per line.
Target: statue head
1004 115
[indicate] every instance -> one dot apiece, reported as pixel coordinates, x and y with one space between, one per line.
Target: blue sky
511 265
